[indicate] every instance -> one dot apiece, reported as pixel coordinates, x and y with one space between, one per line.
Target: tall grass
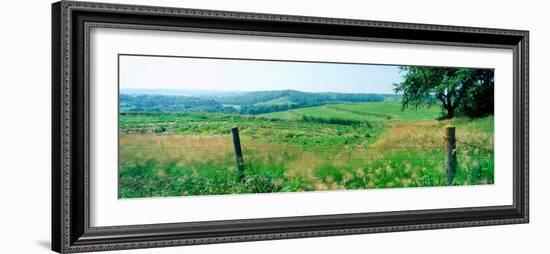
153 179
192 154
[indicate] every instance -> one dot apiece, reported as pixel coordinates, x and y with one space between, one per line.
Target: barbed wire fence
449 148
450 152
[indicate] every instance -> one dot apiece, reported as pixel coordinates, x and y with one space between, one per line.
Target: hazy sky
145 72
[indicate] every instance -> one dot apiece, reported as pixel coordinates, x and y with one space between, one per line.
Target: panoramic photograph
193 126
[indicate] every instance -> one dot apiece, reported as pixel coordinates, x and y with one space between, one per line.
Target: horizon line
250 91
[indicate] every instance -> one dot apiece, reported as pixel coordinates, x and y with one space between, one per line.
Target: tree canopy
459 91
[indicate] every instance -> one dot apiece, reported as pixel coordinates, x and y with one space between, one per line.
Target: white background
25 126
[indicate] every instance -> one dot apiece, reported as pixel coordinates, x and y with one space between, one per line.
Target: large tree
459 91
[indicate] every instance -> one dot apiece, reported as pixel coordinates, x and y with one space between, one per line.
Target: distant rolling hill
298 97
258 102
278 101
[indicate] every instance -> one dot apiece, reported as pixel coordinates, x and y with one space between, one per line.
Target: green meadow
333 146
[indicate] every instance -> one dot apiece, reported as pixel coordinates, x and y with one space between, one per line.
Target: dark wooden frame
71 22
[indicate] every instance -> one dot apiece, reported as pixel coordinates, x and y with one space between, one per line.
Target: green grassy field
367 111
329 147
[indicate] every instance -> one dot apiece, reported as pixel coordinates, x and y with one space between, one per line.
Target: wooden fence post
238 152
450 153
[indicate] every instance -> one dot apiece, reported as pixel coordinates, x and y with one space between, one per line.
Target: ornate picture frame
71 196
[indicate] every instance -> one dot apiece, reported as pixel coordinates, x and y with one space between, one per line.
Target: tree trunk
450 112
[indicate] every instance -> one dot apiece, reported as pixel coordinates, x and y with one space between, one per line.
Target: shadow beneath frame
44 244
